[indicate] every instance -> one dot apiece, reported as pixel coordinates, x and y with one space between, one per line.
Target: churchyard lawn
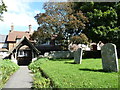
63 73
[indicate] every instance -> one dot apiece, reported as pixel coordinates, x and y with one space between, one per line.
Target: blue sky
21 14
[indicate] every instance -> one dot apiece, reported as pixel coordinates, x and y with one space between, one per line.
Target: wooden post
32 54
16 56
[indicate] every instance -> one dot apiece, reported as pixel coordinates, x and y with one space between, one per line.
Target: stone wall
61 55
70 55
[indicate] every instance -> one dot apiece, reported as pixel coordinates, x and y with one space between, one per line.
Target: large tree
2 9
61 20
103 20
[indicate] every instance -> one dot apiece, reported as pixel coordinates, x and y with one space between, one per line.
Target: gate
24 57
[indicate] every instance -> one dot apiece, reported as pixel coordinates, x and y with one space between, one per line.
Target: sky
20 13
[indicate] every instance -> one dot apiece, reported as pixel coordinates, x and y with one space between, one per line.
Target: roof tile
13 35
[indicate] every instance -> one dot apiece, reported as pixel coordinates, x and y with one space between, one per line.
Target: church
18 46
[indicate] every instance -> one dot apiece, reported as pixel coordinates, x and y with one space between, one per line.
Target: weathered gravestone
109 57
78 56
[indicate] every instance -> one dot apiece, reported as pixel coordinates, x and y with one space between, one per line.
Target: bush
40 81
7 68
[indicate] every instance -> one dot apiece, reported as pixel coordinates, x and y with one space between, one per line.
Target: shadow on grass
99 70
70 63
60 59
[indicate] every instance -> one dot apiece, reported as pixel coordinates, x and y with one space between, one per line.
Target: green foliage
7 68
2 8
89 74
39 80
103 20
34 66
61 20
41 36
82 39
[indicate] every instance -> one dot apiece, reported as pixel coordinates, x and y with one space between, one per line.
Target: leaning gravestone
78 56
109 57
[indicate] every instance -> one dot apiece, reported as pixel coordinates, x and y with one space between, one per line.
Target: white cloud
16 5
19 13
21 19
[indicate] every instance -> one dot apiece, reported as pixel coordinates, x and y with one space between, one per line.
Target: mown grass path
20 79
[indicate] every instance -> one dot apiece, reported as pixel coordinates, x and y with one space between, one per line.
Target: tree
103 20
2 9
82 39
40 36
61 20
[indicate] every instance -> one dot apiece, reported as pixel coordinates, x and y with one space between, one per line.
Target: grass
39 80
64 74
7 68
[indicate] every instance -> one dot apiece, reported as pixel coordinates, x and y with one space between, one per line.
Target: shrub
7 68
40 81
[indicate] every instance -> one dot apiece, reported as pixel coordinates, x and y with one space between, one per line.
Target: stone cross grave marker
109 57
78 56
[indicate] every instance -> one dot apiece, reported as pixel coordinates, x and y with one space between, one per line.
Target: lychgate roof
22 42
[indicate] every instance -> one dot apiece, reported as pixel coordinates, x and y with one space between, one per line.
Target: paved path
20 79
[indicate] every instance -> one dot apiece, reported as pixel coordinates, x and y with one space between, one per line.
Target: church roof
13 35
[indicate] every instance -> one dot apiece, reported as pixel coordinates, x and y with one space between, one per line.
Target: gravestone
109 57
78 56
